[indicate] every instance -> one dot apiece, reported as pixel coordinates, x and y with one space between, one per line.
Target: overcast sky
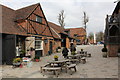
95 9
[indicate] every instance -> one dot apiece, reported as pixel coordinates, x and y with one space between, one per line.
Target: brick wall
112 50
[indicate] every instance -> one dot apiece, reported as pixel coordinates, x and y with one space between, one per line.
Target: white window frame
41 45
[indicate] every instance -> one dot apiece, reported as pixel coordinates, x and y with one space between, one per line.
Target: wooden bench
56 70
46 65
69 67
75 61
88 55
83 60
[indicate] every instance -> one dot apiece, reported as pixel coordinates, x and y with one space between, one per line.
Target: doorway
50 48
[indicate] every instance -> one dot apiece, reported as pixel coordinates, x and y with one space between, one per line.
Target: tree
100 36
85 19
91 35
61 18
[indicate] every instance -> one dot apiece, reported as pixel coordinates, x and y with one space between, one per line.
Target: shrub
55 56
104 49
81 49
37 57
59 47
23 51
16 60
73 53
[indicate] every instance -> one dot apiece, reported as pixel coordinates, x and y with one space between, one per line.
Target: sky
95 9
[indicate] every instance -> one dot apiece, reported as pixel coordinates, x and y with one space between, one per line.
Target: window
75 35
38 44
39 19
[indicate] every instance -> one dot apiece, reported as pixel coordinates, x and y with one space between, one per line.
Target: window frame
38 19
38 45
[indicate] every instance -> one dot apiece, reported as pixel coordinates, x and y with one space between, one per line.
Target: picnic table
57 66
82 53
75 58
58 63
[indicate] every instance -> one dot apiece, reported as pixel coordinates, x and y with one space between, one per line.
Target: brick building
112 31
79 34
64 40
25 28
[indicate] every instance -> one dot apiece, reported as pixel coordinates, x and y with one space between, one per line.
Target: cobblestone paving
96 67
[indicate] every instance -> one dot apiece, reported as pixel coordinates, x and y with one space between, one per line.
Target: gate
8 48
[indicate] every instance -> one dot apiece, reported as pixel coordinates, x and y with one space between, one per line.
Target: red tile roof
9 16
25 12
79 31
8 24
57 28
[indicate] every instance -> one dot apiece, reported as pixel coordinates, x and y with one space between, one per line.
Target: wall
112 50
67 43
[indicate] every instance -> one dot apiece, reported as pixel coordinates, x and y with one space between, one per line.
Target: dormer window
39 19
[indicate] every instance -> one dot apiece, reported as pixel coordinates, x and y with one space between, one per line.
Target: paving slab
95 67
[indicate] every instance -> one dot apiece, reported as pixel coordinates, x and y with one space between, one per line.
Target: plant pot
59 50
16 64
37 60
56 59
105 54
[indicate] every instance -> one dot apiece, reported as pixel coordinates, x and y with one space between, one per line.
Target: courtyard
95 67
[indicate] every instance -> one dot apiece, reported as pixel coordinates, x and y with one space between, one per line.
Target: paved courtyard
95 67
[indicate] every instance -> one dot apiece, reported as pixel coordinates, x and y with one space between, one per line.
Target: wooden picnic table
59 63
59 67
82 53
75 58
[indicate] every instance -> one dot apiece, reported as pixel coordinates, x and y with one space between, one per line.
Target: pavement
95 67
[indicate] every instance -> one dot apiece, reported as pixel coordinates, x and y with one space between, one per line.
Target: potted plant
58 49
73 53
56 58
119 52
17 62
22 53
37 58
104 50
81 49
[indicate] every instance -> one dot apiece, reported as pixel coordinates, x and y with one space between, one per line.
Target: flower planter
16 64
59 50
105 54
37 60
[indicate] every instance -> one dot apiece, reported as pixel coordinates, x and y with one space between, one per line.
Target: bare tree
100 36
91 35
85 19
61 18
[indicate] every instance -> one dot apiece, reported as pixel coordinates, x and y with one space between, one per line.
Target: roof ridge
27 6
6 7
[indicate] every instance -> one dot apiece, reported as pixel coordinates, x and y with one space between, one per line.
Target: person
32 53
72 48
65 52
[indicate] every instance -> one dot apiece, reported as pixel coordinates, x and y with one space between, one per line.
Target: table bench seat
83 60
56 70
69 67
